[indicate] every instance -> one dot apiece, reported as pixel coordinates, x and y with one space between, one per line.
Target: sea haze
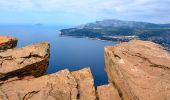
66 52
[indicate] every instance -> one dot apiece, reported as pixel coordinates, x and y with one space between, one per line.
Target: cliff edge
7 42
140 70
137 70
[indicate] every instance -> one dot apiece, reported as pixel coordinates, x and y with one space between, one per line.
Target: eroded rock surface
27 61
140 70
63 85
84 79
107 92
7 42
58 86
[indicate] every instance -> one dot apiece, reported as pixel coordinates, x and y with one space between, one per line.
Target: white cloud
125 9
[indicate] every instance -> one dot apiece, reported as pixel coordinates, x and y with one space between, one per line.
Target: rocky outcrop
85 83
63 85
27 61
21 71
107 92
7 42
57 86
140 70
137 70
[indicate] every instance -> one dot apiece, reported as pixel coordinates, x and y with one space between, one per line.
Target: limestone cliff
7 42
107 92
27 61
85 83
62 85
57 86
137 70
140 70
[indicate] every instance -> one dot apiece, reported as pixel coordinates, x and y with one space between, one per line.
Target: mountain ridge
121 31
114 23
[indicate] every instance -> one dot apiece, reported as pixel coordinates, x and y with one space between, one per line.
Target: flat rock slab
7 42
140 70
107 92
57 86
85 83
27 61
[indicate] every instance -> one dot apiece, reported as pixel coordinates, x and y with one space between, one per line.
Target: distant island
118 30
38 24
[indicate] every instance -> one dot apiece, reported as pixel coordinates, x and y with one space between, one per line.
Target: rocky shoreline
137 70
118 39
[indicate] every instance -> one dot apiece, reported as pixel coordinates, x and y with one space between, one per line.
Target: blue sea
65 52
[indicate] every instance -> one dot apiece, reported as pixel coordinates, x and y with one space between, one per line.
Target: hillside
112 23
117 30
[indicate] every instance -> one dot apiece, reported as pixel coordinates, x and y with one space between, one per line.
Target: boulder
84 79
27 61
57 86
107 92
7 42
140 70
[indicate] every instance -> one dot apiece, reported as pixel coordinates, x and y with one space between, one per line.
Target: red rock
140 70
7 42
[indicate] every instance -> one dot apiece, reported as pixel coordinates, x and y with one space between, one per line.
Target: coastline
86 38
164 45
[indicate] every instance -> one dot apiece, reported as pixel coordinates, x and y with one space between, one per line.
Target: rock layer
57 86
7 42
27 61
107 92
63 85
85 83
140 70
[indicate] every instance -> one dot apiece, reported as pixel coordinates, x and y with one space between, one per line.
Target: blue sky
74 12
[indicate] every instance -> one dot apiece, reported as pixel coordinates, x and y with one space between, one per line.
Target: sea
65 52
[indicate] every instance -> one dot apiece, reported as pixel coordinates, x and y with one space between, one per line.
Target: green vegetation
110 29
159 35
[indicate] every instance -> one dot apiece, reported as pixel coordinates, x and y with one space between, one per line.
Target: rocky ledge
137 70
62 85
27 61
85 83
57 86
107 92
140 70
7 42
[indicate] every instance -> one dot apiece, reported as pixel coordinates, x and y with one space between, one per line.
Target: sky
75 12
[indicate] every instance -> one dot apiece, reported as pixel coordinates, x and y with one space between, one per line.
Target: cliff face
27 61
85 83
57 86
137 70
107 92
7 42
62 85
22 77
140 70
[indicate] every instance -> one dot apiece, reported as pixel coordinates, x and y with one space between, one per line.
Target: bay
65 52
